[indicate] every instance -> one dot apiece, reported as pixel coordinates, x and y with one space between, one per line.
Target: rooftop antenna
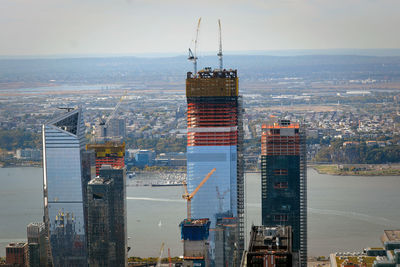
193 56
220 46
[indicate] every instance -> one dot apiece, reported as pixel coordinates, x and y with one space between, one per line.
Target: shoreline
372 170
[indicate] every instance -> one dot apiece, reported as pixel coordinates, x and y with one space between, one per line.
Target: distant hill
250 67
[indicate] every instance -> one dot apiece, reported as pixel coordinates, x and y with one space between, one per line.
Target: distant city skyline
45 27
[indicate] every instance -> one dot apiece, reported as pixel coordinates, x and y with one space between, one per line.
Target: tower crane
159 258
193 56
169 258
104 123
189 197
220 46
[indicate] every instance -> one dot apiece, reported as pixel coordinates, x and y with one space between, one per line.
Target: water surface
345 213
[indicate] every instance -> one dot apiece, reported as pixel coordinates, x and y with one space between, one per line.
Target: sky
66 27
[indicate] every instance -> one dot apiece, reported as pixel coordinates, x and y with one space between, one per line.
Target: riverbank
358 169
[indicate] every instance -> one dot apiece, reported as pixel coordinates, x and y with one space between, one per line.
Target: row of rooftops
387 256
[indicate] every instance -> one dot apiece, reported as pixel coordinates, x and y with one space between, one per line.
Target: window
280 218
280 185
280 172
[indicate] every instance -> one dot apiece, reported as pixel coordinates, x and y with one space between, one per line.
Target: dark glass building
101 239
284 182
63 144
36 234
118 223
214 137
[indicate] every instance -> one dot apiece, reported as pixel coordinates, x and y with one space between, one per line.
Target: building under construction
194 234
108 153
226 236
284 181
269 247
214 140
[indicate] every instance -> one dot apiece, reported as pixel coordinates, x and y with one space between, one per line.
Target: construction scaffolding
214 120
108 153
269 247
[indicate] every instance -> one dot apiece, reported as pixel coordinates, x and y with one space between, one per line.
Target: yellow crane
189 197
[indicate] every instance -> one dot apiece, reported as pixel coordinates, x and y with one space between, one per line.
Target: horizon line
377 52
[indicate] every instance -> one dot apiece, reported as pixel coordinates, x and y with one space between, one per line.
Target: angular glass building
284 182
214 119
63 145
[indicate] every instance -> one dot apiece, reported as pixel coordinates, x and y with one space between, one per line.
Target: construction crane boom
220 47
193 56
104 122
159 258
116 108
189 197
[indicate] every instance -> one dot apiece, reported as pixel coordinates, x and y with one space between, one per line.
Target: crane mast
220 47
193 56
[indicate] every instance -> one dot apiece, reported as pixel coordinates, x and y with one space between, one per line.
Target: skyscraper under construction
214 140
284 182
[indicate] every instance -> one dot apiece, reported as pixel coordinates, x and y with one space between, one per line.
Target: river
345 213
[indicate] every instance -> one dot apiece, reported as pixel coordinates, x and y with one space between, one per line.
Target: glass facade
218 194
63 144
101 237
118 222
284 182
214 139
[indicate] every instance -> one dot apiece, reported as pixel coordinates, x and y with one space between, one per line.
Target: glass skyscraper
215 141
63 145
284 182
118 222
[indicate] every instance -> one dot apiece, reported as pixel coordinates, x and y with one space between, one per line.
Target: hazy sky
45 27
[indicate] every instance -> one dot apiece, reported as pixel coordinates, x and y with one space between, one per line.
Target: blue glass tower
215 141
63 145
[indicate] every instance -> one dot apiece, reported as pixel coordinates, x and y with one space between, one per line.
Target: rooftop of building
391 235
208 72
195 222
279 124
264 238
351 259
37 224
99 181
16 245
